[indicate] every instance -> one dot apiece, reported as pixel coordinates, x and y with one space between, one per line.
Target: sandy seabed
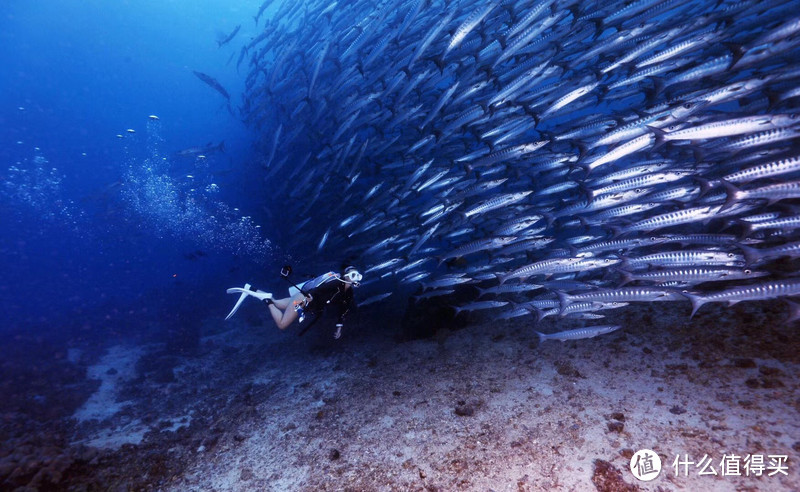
483 408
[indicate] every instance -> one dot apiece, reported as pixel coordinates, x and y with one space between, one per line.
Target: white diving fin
245 292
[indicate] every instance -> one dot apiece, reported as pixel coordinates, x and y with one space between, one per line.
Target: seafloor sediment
481 408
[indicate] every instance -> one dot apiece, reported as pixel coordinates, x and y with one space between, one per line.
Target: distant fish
223 40
195 254
374 299
323 240
264 6
212 82
579 333
209 148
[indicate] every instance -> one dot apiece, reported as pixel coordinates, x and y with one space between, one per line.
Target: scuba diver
312 296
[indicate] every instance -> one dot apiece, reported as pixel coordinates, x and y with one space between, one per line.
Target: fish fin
564 300
659 135
545 135
438 61
733 195
751 255
747 227
705 185
773 97
627 277
599 26
503 40
573 250
549 218
699 153
583 149
697 301
542 336
737 52
538 312
794 311
616 231
586 191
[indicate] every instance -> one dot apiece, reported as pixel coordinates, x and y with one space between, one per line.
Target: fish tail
794 311
751 255
564 300
697 301
705 185
660 136
733 195
501 278
627 277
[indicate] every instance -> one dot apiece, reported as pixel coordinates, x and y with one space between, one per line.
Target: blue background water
73 252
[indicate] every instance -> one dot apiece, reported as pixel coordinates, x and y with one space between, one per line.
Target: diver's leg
283 303
287 317
279 317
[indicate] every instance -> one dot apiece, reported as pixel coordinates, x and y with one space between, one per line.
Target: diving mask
354 277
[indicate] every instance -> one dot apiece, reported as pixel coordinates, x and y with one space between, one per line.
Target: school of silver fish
569 156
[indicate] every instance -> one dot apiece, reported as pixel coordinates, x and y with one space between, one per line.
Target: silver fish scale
697 274
762 291
675 258
624 294
774 168
675 218
579 333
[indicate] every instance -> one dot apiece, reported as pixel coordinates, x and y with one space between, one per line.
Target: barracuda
411 130
694 275
754 292
579 333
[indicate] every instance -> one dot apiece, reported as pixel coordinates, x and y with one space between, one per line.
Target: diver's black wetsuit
331 293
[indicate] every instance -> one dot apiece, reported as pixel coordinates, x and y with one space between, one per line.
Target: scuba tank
313 283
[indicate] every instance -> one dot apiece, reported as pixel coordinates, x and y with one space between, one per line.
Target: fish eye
652 238
731 255
748 271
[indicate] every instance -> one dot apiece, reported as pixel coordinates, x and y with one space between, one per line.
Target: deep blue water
75 75
132 194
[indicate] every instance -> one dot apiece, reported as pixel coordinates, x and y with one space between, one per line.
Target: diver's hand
338 333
